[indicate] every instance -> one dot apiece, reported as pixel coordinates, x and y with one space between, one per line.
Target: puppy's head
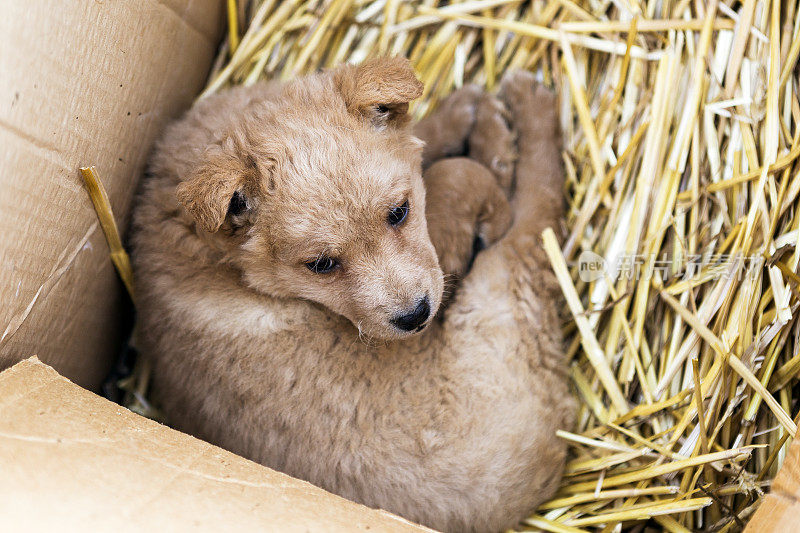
317 193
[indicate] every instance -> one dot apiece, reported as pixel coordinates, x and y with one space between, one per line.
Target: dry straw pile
681 127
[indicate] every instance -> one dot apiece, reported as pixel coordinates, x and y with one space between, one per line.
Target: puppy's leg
538 200
466 211
491 142
445 131
506 307
515 273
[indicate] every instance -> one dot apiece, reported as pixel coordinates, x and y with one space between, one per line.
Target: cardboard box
781 507
84 82
71 460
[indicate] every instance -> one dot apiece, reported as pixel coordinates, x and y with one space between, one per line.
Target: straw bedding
680 122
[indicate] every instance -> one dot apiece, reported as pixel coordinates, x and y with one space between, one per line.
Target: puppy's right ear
211 188
379 89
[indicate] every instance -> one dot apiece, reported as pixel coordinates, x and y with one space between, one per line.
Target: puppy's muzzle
414 320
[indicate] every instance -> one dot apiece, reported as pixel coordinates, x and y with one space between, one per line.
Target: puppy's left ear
379 90
210 191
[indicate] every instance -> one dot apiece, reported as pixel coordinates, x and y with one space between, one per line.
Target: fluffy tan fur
453 427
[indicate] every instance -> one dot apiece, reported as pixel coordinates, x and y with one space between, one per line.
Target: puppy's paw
458 111
494 219
466 211
460 108
539 177
491 142
445 131
533 107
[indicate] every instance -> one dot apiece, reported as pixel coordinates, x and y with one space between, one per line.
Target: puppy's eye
238 204
398 214
382 109
322 265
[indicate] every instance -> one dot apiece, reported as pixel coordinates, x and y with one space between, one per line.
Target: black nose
414 319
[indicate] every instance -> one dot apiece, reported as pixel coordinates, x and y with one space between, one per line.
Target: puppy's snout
415 319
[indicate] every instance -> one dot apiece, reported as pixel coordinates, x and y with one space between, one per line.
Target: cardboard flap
781 507
70 459
82 83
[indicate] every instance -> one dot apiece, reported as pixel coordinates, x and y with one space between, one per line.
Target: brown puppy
284 267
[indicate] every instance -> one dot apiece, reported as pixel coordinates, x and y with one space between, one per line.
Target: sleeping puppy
290 280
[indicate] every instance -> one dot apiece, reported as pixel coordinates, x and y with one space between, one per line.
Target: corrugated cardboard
84 82
780 510
71 460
